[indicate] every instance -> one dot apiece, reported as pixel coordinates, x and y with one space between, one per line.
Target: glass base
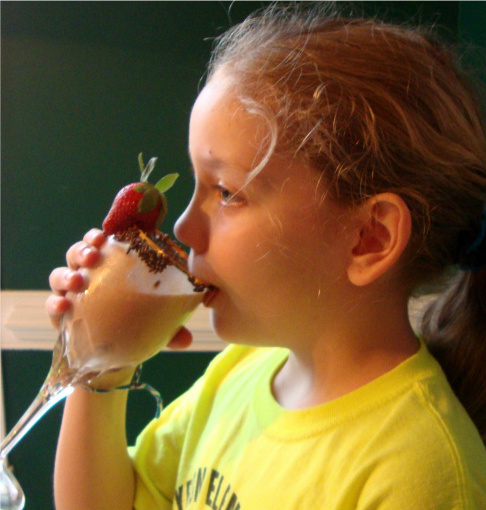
11 494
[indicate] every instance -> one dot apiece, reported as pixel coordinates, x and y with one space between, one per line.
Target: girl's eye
227 198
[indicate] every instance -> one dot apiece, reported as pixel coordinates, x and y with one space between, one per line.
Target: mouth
209 296
211 291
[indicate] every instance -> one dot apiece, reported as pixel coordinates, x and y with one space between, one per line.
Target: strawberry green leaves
146 170
150 198
165 183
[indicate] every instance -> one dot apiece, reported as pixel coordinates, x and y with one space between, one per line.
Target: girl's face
275 248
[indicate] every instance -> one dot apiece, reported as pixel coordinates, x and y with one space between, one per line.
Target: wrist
106 384
111 380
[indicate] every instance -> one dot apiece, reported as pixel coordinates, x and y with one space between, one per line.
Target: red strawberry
139 204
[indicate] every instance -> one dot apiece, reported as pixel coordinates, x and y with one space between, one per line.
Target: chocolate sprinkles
158 251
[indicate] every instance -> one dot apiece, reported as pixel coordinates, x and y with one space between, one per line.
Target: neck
346 355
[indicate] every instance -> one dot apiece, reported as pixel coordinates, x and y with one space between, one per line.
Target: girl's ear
384 231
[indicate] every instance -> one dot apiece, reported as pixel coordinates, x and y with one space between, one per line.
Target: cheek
260 266
303 258
243 262
278 254
237 246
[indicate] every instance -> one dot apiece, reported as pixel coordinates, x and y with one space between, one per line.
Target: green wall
86 86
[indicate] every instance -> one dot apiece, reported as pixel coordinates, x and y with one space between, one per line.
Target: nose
192 228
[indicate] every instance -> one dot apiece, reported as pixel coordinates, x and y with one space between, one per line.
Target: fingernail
86 252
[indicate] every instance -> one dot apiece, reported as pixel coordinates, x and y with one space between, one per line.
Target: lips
196 268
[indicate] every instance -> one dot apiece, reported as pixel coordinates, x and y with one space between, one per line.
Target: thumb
181 340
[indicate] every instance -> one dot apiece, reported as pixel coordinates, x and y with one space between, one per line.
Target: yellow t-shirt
401 442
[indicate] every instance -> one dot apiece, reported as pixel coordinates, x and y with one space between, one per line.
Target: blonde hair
378 107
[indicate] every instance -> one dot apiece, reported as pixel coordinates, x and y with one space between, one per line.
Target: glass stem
48 396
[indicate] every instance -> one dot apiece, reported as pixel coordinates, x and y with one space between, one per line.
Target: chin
230 330
239 331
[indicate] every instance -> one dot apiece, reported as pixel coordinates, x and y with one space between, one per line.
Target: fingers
67 279
182 340
63 279
95 237
56 307
85 253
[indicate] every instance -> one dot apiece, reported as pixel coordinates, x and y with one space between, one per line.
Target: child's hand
181 340
85 254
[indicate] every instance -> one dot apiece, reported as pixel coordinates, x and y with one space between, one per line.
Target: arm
93 470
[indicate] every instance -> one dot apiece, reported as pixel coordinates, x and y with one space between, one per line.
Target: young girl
340 168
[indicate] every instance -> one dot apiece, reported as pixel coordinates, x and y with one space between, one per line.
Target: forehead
222 129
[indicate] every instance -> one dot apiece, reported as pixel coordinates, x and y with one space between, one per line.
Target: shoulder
453 442
444 419
416 445
434 457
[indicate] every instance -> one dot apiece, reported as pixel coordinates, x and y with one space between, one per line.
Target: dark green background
86 86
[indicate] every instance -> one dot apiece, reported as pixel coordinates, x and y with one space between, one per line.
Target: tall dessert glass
136 298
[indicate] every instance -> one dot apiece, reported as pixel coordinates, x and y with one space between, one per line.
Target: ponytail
454 328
